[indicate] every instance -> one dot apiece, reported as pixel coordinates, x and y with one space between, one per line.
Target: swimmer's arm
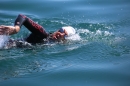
9 30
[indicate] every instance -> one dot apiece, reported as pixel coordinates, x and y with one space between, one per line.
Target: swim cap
70 30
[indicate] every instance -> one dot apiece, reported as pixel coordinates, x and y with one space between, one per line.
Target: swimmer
38 33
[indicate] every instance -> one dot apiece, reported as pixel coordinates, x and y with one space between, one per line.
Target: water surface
98 55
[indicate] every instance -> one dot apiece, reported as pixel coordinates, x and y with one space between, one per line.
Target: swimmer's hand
58 36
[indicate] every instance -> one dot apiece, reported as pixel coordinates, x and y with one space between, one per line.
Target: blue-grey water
98 55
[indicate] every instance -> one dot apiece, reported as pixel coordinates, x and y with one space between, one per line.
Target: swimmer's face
58 36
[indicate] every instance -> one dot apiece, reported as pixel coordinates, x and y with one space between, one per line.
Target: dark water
98 55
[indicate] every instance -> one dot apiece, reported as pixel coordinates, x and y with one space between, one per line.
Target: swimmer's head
68 30
63 33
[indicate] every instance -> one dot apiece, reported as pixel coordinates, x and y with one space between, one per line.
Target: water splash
3 40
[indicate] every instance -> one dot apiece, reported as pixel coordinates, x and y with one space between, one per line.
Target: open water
97 55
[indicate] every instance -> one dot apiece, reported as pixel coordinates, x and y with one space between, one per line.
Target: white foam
98 32
107 33
103 33
83 31
3 40
72 48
